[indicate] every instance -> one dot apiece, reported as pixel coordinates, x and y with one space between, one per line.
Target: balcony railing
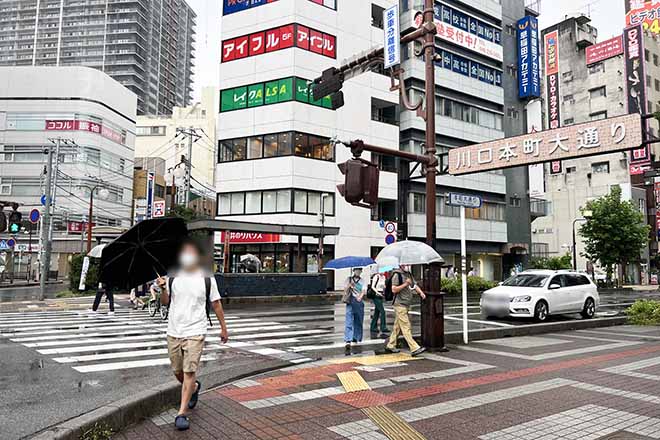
539 208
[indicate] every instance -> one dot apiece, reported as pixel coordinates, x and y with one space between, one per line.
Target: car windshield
526 280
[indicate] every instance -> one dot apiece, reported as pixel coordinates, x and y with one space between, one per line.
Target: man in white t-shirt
187 322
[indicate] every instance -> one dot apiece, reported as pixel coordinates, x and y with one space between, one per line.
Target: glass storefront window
301 143
253 203
284 201
255 147
300 201
313 203
285 141
270 145
240 149
269 201
238 203
282 262
224 204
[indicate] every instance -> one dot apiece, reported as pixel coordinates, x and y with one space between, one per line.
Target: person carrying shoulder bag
377 295
405 288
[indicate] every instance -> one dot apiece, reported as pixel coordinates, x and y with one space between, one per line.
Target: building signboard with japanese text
580 140
633 41
604 50
249 237
93 127
657 203
465 31
270 92
645 13
552 78
151 180
392 36
233 6
529 69
281 37
472 69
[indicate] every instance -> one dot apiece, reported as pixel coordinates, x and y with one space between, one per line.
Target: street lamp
103 193
586 215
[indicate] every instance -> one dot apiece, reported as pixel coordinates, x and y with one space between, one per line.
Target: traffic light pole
46 220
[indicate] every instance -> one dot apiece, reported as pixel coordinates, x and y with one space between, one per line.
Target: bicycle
155 306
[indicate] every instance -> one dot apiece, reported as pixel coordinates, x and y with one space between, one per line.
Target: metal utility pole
46 221
191 132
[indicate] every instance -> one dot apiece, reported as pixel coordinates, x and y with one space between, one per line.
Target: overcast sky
606 15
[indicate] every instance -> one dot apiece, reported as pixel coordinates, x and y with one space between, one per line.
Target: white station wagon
539 293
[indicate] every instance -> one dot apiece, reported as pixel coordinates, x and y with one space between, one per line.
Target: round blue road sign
390 239
11 242
34 216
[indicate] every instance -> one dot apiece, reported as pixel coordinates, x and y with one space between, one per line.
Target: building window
418 203
655 60
600 168
567 76
595 68
598 116
384 162
569 121
377 16
516 202
384 210
598 92
274 202
570 170
384 111
156 130
657 85
277 145
569 98
467 113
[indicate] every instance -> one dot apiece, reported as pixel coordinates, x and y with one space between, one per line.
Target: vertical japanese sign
633 42
151 177
552 78
529 76
657 203
392 36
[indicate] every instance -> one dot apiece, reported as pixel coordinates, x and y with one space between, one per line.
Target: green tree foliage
552 263
188 214
93 273
616 232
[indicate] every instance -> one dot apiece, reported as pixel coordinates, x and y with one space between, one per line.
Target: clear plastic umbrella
409 252
96 251
387 264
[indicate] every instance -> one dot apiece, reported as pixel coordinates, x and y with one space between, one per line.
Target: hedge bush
644 312
474 284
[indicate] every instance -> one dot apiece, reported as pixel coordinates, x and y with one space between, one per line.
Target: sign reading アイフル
580 140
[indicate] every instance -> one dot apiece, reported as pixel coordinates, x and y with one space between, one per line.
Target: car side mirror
555 286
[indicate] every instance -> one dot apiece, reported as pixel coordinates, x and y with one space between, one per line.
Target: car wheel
541 311
589 309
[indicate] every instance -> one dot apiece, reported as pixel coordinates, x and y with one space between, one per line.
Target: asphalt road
59 361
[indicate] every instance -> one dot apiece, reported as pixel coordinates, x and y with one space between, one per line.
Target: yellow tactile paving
393 426
352 381
374 360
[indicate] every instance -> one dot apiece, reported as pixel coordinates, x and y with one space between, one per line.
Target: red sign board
282 37
250 237
94 127
604 50
77 227
639 168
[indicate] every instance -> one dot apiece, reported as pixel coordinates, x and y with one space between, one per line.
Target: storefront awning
267 228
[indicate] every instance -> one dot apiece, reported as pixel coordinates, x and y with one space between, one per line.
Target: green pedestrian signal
14 228
15 219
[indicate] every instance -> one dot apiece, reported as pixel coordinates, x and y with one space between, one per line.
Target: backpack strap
170 281
207 284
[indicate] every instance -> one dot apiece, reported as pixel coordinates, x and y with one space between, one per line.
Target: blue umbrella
348 262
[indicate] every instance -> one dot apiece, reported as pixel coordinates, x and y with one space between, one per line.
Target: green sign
267 93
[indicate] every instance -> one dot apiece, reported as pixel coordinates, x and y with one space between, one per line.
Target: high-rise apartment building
146 45
276 161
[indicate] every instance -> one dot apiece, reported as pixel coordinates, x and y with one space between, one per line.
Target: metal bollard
433 310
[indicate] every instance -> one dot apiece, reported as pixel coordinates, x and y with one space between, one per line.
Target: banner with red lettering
250 237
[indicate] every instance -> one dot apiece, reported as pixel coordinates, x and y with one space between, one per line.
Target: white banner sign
392 36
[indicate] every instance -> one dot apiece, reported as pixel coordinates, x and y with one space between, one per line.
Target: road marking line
352 381
131 364
479 321
552 355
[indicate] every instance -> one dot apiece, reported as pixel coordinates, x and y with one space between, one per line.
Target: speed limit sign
390 227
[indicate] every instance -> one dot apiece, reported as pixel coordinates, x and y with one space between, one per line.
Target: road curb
125 412
456 338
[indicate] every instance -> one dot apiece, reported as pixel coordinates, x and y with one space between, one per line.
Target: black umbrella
143 253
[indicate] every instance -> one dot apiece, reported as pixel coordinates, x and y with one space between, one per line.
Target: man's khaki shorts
185 353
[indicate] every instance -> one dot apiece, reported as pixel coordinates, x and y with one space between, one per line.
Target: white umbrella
96 251
387 264
409 252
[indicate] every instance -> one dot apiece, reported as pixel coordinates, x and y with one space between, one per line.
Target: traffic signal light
360 182
3 221
329 84
15 219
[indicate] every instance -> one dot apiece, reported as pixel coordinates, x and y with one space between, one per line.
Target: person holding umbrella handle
190 296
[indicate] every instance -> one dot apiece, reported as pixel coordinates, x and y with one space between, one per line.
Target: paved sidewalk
591 384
